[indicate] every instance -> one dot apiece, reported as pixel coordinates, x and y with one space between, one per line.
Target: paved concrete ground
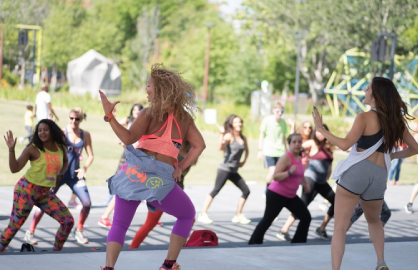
401 236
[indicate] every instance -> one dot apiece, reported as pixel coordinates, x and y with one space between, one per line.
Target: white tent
92 72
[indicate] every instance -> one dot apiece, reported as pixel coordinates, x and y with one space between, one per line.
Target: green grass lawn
107 151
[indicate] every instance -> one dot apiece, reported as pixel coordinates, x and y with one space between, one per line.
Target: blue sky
229 6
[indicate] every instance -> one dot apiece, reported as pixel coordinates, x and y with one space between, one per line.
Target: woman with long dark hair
234 144
48 161
364 173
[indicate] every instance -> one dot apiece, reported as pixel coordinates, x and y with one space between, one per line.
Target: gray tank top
233 153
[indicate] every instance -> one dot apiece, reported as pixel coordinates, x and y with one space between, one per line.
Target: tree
330 27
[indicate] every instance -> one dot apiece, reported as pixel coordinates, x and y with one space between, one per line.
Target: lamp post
156 51
295 109
394 38
3 16
206 77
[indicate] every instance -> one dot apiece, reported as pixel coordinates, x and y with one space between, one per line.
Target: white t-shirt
42 110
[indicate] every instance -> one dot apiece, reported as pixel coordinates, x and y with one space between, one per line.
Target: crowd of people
161 143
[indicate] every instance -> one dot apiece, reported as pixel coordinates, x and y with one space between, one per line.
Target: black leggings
324 189
275 204
221 178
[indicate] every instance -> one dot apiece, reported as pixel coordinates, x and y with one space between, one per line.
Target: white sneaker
30 238
204 218
79 236
241 219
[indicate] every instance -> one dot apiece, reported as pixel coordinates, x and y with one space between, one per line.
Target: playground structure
344 90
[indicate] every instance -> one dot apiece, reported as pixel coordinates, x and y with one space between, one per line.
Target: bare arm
52 110
198 145
280 172
246 153
81 172
285 142
411 150
16 165
350 139
137 129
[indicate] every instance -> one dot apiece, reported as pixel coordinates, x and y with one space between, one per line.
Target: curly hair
172 93
55 132
392 111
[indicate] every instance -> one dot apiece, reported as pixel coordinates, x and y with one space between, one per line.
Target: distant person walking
234 144
43 107
48 162
272 140
364 173
395 169
28 124
287 176
74 177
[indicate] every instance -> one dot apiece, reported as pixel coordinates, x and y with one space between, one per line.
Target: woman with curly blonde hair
151 170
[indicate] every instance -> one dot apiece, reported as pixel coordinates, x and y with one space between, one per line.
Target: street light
3 17
156 52
206 77
299 35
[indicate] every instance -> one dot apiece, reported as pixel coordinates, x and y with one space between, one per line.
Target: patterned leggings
26 195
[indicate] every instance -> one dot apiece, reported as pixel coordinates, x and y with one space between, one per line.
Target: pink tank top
289 186
164 144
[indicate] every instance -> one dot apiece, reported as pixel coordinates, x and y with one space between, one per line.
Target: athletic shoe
322 234
30 238
241 219
106 268
408 208
204 218
176 266
160 224
397 183
382 266
284 236
79 236
105 223
72 204
391 182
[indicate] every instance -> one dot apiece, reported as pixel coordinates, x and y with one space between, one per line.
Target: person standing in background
43 107
272 140
28 124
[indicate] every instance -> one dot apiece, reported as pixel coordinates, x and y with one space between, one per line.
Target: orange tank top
164 144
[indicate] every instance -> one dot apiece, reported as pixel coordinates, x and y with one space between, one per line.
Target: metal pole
206 77
34 56
295 109
1 48
392 56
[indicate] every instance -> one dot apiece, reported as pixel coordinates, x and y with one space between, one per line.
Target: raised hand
107 105
317 119
221 128
10 141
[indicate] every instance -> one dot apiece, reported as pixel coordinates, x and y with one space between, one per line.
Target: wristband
289 173
108 116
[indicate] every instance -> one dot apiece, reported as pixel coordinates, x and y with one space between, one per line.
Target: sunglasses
308 127
279 111
76 119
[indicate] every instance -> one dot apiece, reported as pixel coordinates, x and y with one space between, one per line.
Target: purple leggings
176 203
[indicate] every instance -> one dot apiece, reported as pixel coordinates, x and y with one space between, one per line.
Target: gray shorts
366 179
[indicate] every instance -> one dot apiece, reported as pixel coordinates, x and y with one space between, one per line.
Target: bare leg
377 235
207 204
325 222
240 205
414 193
176 243
269 178
109 208
113 250
290 220
345 203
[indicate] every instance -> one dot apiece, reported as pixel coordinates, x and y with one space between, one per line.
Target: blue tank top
73 153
